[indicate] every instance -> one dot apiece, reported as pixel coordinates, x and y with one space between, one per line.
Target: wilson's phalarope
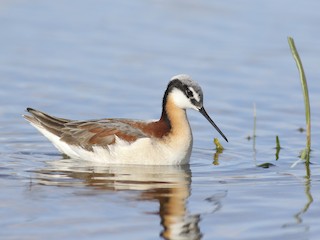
167 141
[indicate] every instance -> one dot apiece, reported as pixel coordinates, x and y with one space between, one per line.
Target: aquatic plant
219 150
278 147
218 144
305 153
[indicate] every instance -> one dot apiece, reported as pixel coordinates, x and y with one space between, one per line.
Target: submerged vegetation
305 153
219 150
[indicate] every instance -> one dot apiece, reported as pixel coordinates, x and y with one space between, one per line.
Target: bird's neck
175 117
178 138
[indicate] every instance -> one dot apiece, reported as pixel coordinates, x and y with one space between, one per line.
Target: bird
167 141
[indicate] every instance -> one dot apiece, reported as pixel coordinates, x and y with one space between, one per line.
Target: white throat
180 100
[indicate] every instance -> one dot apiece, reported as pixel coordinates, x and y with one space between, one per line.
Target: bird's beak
205 114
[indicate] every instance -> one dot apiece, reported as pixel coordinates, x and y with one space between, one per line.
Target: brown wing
99 133
86 133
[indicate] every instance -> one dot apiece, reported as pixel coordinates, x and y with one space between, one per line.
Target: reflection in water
216 156
299 215
168 185
219 150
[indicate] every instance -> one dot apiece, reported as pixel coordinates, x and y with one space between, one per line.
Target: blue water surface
95 59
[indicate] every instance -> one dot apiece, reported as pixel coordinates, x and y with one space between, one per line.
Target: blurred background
95 59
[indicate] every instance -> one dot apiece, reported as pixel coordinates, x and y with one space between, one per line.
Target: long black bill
205 114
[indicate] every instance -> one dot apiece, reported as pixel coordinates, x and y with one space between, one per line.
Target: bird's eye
189 92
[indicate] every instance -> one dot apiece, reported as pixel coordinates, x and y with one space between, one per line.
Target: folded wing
86 134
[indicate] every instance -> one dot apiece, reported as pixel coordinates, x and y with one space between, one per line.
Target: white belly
147 151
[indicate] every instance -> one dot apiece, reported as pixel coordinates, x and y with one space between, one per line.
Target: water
86 60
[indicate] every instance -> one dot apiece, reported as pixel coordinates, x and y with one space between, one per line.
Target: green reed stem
278 142
254 126
304 85
278 147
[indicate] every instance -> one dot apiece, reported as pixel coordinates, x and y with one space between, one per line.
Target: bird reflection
167 185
